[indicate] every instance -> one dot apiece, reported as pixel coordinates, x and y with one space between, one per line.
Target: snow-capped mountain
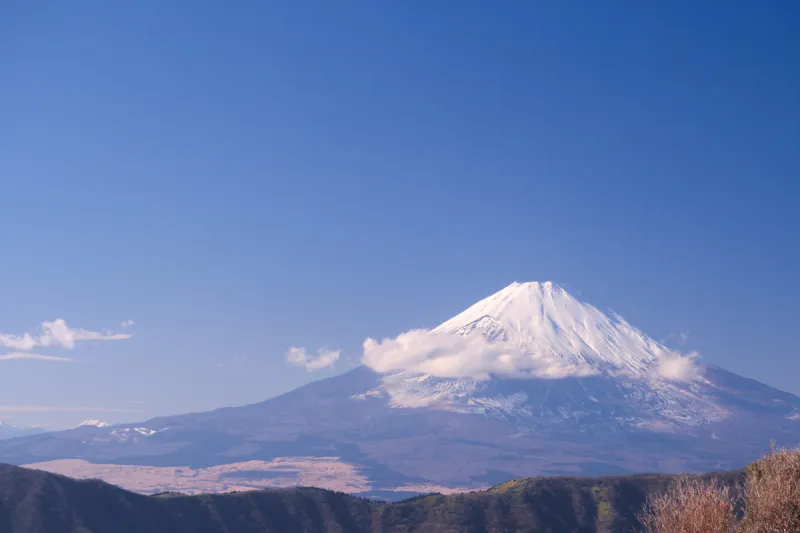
544 332
94 423
548 322
528 381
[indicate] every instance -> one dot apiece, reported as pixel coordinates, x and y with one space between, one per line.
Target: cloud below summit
445 355
452 356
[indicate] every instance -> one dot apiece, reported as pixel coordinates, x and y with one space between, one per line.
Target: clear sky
241 177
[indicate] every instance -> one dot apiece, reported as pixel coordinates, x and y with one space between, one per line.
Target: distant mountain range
8 431
529 381
38 502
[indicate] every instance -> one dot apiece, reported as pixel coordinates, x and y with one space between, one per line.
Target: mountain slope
488 409
37 502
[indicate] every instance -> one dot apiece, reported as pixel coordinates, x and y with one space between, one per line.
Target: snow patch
124 434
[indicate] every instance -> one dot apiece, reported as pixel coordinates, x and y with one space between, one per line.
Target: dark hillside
37 502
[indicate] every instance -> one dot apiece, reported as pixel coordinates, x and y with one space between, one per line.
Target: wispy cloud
60 409
679 339
36 356
324 359
59 334
54 334
127 324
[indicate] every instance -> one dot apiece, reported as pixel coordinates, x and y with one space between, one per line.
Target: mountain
7 431
546 333
37 502
95 423
529 381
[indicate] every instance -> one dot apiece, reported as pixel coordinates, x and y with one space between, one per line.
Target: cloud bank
324 358
451 356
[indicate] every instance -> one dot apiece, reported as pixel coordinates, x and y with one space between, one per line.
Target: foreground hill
33 501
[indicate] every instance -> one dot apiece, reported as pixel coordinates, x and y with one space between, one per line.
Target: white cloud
127 324
24 342
324 358
677 367
451 356
36 356
57 333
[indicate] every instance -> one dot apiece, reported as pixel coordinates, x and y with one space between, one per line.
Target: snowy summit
503 351
95 423
530 330
547 322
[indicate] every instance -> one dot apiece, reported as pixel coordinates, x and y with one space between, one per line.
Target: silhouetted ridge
32 501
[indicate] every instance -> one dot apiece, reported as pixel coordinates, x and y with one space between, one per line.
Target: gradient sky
241 177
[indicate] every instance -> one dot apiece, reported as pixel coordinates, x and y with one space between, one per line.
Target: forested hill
38 502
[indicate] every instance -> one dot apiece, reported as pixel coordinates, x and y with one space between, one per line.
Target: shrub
771 501
691 506
772 494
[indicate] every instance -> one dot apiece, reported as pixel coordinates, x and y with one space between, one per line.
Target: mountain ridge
9 431
38 502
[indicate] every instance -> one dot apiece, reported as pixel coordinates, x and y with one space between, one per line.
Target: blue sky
240 179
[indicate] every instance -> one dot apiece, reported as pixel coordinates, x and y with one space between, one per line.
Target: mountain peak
532 286
520 306
547 320
95 423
